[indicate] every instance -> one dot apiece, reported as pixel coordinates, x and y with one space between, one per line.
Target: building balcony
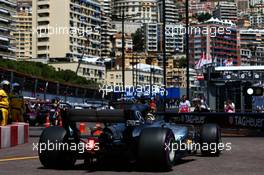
45 43
42 19
41 52
43 35
43 2
46 10
5 16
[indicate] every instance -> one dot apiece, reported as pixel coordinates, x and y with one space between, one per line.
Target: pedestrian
4 102
17 105
184 105
153 105
229 106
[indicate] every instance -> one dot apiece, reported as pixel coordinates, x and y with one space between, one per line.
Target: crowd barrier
225 120
14 134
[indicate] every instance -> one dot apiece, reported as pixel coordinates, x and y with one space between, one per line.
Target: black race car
147 140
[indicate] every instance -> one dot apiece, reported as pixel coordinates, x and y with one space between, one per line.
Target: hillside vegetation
47 72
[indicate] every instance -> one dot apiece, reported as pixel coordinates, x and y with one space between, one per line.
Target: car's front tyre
210 139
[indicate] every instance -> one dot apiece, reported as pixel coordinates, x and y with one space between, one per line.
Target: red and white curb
14 134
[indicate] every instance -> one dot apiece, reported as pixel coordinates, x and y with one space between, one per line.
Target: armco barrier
14 134
225 120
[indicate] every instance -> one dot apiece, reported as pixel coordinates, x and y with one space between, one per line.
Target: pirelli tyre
55 156
210 139
155 149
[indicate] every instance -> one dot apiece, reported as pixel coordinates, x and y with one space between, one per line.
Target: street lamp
187 48
164 52
123 51
123 45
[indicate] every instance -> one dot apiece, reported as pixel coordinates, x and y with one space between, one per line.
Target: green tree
138 40
182 62
204 17
45 71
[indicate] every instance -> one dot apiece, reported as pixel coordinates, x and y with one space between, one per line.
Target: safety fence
224 120
37 85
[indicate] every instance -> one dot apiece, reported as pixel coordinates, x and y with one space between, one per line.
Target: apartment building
142 75
242 5
215 40
106 28
7 44
174 39
117 43
226 11
23 30
141 10
172 15
251 37
151 37
255 2
137 58
257 20
200 7
66 30
252 40
91 69
176 77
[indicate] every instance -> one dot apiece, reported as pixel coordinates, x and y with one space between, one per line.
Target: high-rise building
215 40
257 20
7 45
226 11
242 5
172 15
254 2
174 40
67 30
106 28
141 10
142 75
252 41
23 30
151 37
117 43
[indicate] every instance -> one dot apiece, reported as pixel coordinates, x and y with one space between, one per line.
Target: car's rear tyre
210 139
155 149
55 157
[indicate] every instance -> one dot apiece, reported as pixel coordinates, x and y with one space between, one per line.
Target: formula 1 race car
146 139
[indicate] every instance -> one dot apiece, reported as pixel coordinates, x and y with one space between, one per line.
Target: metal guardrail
225 120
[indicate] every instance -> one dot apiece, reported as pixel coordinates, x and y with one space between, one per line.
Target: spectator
198 106
184 105
4 102
229 106
153 106
203 102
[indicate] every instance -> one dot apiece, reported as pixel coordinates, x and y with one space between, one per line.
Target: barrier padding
14 134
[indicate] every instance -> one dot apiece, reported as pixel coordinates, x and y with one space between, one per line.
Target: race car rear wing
91 115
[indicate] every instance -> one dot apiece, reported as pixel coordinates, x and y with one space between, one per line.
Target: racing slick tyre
210 139
155 149
55 156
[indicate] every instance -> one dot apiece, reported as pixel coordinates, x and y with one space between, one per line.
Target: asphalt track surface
245 158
